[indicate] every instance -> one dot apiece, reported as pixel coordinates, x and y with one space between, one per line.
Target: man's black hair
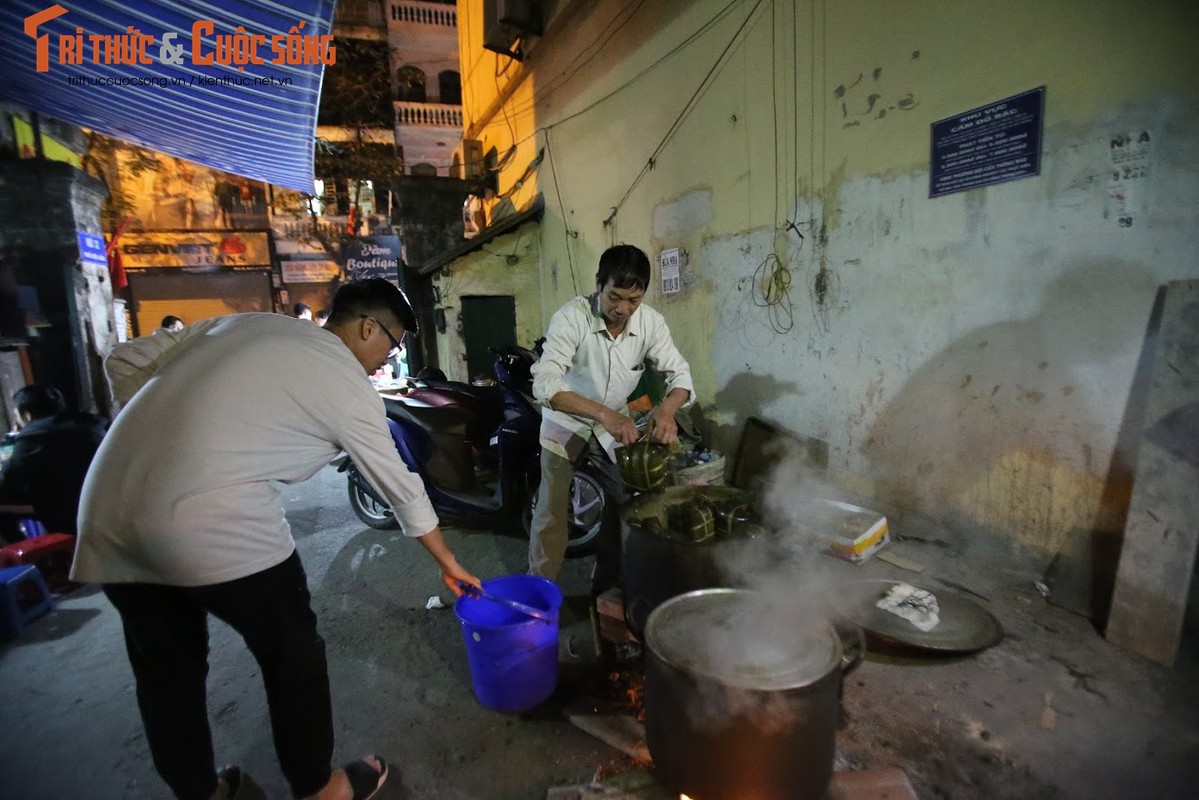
626 266
39 400
300 308
169 320
372 297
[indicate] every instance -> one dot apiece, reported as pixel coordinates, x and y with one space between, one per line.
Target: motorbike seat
429 418
489 395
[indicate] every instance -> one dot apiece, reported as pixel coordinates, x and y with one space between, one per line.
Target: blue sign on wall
990 144
92 249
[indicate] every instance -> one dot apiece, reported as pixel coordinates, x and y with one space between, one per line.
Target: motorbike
475 447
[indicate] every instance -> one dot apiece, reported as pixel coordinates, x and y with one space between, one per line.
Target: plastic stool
51 553
15 610
30 527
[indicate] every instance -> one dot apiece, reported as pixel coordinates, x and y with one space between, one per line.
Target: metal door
486 322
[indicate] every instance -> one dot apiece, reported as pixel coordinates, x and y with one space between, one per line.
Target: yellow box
854 533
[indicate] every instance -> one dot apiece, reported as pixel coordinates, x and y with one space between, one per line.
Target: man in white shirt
181 516
593 358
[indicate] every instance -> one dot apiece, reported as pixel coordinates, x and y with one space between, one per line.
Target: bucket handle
476 591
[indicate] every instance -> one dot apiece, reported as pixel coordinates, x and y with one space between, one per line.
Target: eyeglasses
397 346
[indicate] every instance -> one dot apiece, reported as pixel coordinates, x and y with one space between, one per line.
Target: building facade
967 355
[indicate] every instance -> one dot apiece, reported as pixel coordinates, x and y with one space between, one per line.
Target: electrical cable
562 207
541 96
509 258
699 32
771 289
687 109
585 56
774 109
597 46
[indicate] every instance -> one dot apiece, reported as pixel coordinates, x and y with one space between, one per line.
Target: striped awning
251 111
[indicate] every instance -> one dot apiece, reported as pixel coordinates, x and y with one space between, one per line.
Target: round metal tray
965 626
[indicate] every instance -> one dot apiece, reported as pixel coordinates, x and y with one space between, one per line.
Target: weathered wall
44 205
428 214
969 356
507 265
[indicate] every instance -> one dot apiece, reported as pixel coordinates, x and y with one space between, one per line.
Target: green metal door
486 322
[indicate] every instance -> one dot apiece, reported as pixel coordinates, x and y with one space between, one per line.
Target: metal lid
743 639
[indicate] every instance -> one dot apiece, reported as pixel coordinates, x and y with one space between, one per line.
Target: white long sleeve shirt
184 490
580 356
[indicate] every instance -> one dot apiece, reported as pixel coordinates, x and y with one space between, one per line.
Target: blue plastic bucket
513 657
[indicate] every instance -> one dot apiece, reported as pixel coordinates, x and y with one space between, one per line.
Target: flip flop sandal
365 780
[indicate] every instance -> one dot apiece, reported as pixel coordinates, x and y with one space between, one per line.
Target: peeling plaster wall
487 272
971 356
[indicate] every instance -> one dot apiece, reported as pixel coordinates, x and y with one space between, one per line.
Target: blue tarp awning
254 115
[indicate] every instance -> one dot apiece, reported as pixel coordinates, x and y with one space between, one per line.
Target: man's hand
452 573
451 570
662 427
622 428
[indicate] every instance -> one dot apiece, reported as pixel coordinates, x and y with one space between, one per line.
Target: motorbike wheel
586 512
370 511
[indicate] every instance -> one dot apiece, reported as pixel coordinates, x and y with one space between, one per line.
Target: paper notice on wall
670 271
1128 177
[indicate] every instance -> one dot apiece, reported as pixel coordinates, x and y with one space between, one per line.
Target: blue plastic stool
16 611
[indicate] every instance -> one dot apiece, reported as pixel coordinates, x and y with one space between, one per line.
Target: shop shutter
197 297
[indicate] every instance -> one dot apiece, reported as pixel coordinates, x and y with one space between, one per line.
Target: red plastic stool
51 553
24 596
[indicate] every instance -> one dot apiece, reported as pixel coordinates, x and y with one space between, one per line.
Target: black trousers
609 544
166 634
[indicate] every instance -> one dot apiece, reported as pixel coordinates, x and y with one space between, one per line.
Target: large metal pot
657 566
742 696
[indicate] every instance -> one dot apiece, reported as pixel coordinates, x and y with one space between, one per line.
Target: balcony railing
424 13
438 115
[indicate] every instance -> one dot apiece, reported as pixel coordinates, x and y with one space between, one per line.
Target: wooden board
1157 558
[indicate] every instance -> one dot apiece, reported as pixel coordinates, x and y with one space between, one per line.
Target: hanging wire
770 286
771 290
509 258
687 109
544 93
549 149
774 107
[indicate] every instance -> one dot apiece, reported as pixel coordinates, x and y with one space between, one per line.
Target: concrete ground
1052 711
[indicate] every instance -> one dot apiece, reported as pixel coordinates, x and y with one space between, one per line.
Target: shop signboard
196 251
309 271
373 257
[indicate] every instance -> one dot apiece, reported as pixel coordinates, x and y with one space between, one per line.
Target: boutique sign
373 257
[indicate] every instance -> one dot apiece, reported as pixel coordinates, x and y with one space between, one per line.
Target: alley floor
1052 711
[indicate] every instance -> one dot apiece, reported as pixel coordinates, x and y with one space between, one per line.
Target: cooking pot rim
796 680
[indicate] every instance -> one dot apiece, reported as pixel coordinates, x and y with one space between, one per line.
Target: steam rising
789 631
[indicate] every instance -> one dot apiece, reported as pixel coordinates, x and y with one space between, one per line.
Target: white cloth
184 490
580 356
473 217
917 606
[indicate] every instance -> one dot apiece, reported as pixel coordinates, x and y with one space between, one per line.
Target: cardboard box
852 532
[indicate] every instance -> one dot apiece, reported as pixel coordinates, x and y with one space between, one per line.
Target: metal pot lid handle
853 646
